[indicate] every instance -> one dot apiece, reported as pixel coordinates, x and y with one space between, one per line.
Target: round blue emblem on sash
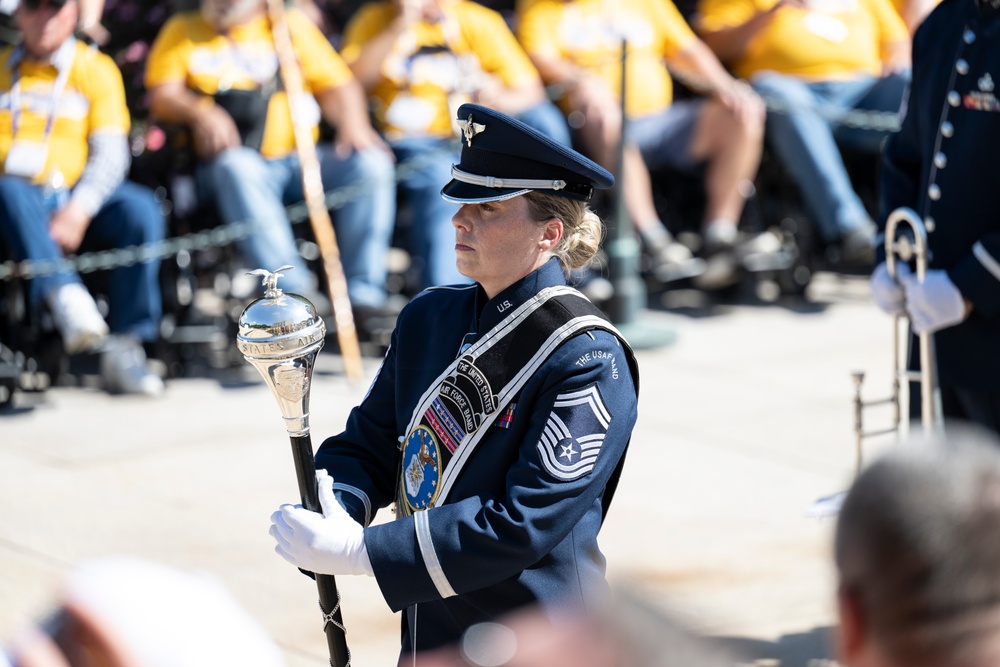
421 469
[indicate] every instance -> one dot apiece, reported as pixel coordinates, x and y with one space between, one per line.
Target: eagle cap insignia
986 83
471 129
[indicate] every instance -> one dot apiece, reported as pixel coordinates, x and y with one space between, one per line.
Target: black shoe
721 270
722 267
857 247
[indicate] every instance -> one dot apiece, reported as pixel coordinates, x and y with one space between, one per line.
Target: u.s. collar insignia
470 129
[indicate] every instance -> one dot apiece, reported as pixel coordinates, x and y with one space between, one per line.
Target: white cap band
494 182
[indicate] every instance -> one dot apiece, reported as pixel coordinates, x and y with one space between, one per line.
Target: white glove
327 543
886 292
934 304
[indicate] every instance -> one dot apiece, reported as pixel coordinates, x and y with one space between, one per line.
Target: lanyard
58 88
406 44
241 63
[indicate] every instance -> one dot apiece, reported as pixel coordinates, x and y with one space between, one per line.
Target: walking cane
312 187
281 335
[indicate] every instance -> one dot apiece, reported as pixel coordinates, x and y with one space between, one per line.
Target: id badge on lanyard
26 157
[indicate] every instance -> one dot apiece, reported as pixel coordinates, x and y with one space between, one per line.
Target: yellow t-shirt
830 40
93 101
433 67
588 33
189 51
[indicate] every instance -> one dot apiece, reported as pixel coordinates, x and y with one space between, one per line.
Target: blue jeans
806 142
247 187
664 138
432 236
130 216
547 119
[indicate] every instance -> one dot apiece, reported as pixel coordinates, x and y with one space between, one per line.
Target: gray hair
918 548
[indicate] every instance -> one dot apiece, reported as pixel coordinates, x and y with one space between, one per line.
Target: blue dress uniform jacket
512 532
943 163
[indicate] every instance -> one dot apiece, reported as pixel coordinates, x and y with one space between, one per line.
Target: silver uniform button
940 160
947 129
954 99
968 36
929 224
962 66
934 191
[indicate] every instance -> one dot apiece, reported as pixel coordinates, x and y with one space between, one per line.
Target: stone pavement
743 423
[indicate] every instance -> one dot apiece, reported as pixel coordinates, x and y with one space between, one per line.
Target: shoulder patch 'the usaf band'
574 433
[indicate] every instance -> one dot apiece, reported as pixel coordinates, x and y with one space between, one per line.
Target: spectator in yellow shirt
816 61
216 71
419 60
576 45
65 154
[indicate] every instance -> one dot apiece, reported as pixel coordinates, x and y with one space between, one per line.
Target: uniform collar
60 59
549 274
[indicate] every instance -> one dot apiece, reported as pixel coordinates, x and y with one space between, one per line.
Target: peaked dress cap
503 158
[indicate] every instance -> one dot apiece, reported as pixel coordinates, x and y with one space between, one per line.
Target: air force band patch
574 433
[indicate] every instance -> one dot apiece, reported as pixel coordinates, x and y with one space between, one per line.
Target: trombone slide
905 245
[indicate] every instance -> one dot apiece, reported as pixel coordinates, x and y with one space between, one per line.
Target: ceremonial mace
280 335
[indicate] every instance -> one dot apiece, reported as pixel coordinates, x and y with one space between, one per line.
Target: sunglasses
33 5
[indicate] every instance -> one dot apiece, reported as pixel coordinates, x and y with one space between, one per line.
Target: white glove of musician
887 293
327 543
934 304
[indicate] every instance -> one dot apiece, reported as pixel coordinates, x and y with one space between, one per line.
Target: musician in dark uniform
498 422
942 164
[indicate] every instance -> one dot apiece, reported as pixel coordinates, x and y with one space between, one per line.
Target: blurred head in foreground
918 556
629 632
127 612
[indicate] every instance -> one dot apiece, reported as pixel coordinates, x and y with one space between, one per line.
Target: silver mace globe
280 335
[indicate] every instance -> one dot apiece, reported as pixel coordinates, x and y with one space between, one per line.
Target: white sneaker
77 318
123 367
674 261
720 235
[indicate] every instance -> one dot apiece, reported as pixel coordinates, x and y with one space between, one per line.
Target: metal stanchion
626 306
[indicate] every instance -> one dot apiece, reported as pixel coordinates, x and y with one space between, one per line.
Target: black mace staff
281 335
